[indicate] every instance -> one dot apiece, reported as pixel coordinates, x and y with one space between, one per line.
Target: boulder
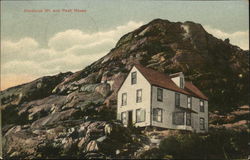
92 78
101 139
88 87
21 144
40 108
103 89
68 144
92 155
14 129
83 100
240 125
64 86
108 129
92 146
94 133
54 118
81 143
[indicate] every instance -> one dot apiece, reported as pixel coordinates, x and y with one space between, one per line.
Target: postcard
116 79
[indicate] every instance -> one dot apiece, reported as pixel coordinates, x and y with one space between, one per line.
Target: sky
35 44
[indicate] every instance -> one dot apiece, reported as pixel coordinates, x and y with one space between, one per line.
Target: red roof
191 88
162 80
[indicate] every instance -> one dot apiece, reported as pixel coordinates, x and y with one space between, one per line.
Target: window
188 119
181 82
133 78
138 95
140 115
159 94
124 117
178 118
202 109
202 123
124 99
157 114
189 102
177 99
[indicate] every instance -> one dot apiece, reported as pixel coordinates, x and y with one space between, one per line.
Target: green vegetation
217 144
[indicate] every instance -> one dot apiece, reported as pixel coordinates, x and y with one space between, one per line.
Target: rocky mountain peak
175 46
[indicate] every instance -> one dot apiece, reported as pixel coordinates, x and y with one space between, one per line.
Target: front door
130 118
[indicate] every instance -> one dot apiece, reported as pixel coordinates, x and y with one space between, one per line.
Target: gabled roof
159 79
162 80
191 88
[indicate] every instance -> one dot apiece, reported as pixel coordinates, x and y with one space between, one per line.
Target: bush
227 143
218 144
170 146
153 153
186 146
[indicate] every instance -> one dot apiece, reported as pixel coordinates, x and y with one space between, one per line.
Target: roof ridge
163 80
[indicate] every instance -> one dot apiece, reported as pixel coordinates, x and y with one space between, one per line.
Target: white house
151 98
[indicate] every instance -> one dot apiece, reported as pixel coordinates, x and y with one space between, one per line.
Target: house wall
196 117
168 107
130 89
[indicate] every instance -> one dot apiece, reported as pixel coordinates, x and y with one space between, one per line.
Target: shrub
153 153
170 146
218 144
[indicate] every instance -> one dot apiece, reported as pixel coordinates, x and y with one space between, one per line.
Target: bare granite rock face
67 138
237 120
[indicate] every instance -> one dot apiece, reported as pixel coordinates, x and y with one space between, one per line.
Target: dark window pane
202 109
124 117
181 82
177 99
157 114
133 78
189 102
188 119
138 95
178 118
124 99
140 115
202 123
159 94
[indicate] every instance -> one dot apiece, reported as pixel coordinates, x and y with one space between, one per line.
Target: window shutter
126 120
154 114
143 115
173 118
138 115
119 116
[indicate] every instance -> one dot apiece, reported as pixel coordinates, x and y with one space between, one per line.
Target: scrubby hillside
73 114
